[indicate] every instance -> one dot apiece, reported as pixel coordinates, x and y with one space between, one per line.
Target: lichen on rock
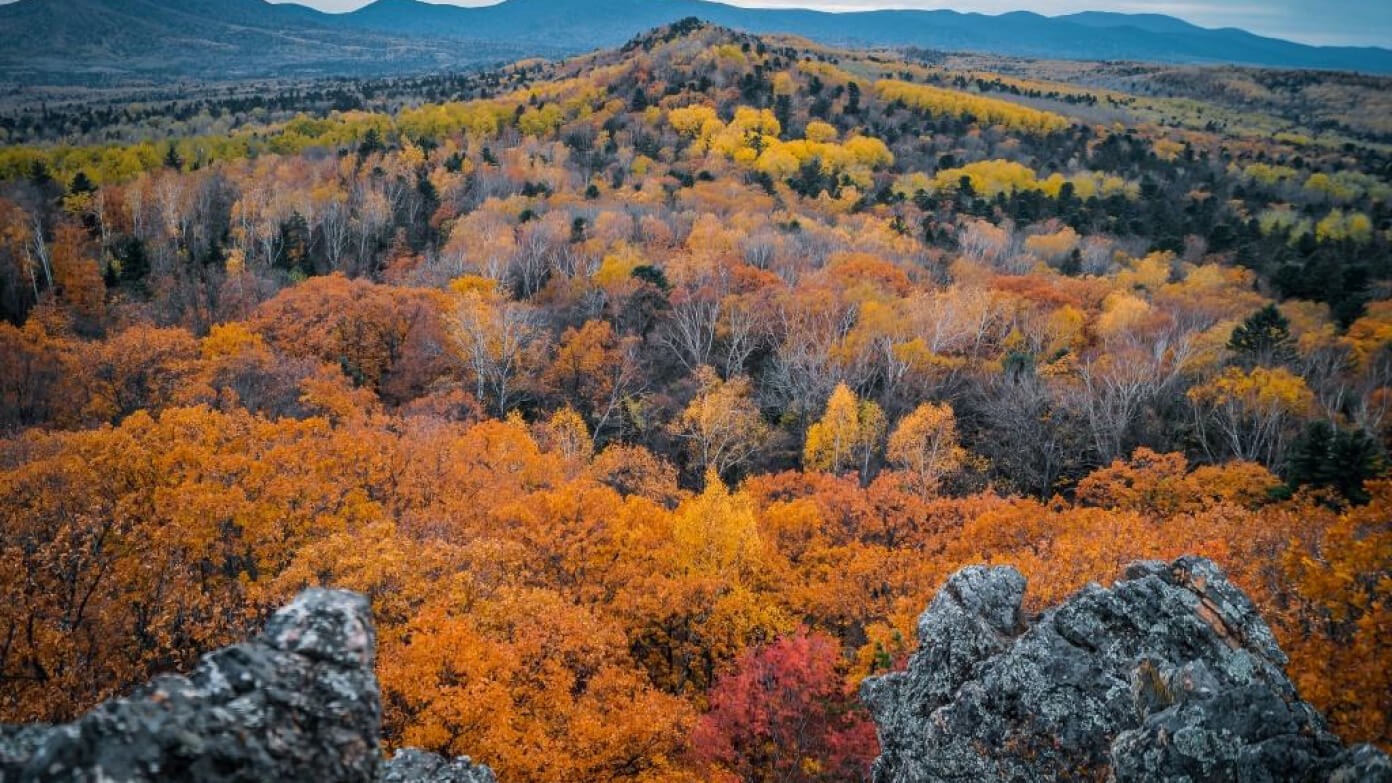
1169 675
412 766
300 702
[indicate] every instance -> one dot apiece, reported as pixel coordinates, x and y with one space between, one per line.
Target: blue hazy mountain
85 40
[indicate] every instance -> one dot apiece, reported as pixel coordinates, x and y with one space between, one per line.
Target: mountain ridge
111 40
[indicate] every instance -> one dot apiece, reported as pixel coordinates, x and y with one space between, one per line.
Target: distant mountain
1151 23
592 24
111 42
114 40
601 23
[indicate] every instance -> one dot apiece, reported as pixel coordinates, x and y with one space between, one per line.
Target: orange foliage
525 596
376 335
600 313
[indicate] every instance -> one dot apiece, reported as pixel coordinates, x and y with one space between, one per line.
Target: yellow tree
716 532
722 426
708 600
925 446
566 434
847 436
1250 414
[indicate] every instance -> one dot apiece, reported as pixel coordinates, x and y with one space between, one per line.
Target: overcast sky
1351 22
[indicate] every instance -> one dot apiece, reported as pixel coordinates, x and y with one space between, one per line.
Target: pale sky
1330 22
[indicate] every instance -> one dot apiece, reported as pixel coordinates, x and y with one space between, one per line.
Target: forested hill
646 389
122 41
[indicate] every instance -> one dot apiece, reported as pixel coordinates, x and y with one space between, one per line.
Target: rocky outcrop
1169 675
299 703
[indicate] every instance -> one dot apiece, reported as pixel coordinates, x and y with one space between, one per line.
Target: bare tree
1032 436
502 342
691 328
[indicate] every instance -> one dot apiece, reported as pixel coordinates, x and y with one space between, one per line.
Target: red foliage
785 714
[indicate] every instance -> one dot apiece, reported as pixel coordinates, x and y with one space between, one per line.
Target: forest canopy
650 394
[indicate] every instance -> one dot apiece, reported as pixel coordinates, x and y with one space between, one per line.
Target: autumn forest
650 394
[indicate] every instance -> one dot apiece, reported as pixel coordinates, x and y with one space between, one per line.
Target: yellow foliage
1053 246
783 84
761 122
847 434
412 156
1066 327
988 177
227 340
1268 174
779 162
722 425
1167 149
1264 388
925 446
716 533
617 267
1122 314
566 433
692 120
1338 226
991 111
730 53
1283 221
474 285
1150 273
540 121
821 132
869 152
912 183
1328 186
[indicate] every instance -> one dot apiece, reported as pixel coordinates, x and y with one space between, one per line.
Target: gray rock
410 765
18 744
299 703
1170 675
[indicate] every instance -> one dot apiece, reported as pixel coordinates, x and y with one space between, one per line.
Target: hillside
117 42
114 42
650 395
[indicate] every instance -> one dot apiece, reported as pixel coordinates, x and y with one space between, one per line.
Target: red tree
785 714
